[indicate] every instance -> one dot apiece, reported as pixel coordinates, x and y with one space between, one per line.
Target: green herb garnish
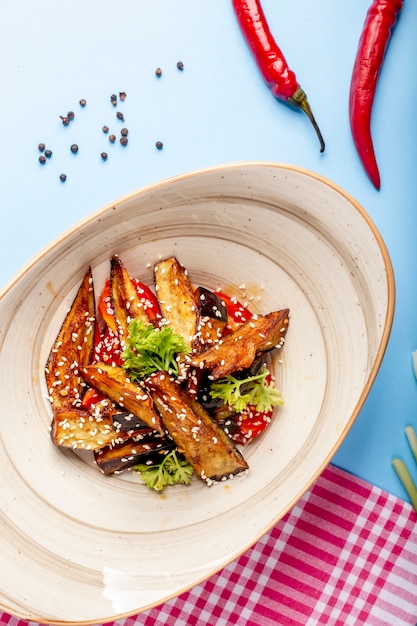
152 349
257 391
172 470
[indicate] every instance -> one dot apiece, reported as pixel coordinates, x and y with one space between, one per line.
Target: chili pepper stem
299 100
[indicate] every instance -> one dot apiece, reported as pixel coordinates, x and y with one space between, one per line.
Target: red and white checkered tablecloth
346 554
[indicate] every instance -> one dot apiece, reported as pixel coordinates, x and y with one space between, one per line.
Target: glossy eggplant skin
211 305
216 405
175 294
114 382
124 421
116 458
203 443
212 318
238 350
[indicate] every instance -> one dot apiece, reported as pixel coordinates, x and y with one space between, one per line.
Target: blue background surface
216 111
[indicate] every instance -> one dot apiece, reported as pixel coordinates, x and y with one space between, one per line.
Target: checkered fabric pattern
346 554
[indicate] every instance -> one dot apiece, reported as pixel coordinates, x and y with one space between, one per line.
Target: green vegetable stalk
406 480
401 468
398 464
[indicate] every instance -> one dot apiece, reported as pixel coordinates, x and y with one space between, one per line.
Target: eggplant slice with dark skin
238 350
127 305
79 429
114 382
212 318
146 450
73 348
203 443
176 298
124 421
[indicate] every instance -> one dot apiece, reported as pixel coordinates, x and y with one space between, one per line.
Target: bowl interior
273 235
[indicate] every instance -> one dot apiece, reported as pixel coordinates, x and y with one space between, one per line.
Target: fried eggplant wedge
212 319
127 305
78 429
82 430
176 298
238 350
73 348
203 443
114 382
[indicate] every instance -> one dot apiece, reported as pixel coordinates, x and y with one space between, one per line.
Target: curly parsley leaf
258 391
173 469
150 349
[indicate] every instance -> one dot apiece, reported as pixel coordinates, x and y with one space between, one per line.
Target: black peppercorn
41 147
159 145
48 154
63 177
104 156
113 99
124 132
124 141
105 129
83 102
120 116
122 96
70 115
112 138
74 148
158 71
180 65
42 159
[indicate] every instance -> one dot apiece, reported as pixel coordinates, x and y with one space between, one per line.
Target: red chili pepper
236 312
107 348
149 299
105 307
251 423
270 59
373 43
150 303
107 344
91 397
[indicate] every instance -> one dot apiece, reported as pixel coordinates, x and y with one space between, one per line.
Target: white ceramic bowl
80 547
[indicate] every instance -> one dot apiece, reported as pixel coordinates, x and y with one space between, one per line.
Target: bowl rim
379 355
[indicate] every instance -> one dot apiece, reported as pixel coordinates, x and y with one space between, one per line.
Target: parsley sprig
258 391
149 349
172 470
